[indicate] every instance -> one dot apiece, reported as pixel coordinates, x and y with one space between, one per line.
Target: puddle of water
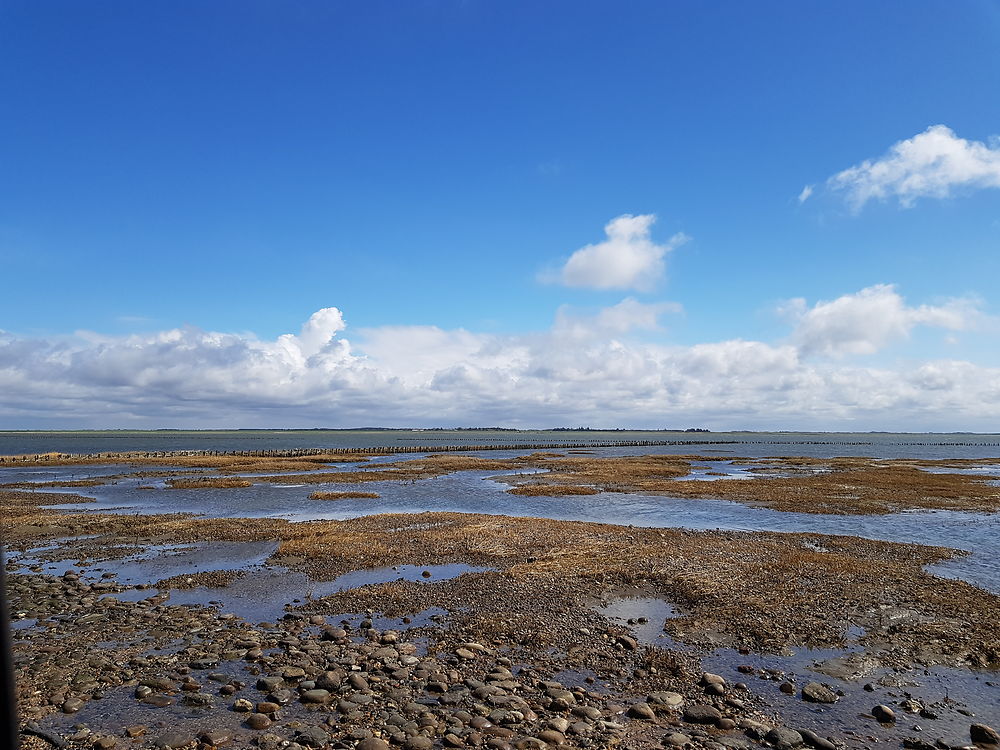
572 678
645 616
942 690
23 624
708 471
429 616
157 562
968 470
263 594
358 578
855 633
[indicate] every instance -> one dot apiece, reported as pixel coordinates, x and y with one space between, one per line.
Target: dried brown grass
347 495
804 485
57 483
204 483
536 490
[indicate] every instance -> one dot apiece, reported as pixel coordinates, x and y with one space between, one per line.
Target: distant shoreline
616 430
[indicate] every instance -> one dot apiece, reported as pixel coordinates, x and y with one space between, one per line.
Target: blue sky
427 168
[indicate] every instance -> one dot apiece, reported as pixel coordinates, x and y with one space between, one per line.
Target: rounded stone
258 721
883 714
316 695
641 711
175 738
984 734
701 714
817 693
784 738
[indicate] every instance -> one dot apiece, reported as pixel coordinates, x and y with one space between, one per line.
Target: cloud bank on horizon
584 370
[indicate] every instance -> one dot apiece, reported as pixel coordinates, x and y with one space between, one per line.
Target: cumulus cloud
317 332
422 376
628 315
869 320
627 259
931 164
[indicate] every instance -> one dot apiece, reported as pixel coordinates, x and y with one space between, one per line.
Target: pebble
159 701
676 739
551 736
784 738
735 743
817 693
317 695
559 723
216 737
628 642
641 711
883 714
666 698
258 721
268 683
312 737
173 739
701 714
814 740
984 734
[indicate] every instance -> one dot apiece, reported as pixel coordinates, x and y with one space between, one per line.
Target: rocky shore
564 634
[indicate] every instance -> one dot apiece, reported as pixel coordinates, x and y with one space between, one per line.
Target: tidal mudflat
505 600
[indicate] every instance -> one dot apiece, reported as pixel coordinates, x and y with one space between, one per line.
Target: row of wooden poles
393 449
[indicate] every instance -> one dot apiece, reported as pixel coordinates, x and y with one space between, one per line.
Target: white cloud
422 376
806 192
628 315
318 332
869 320
930 164
627 259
